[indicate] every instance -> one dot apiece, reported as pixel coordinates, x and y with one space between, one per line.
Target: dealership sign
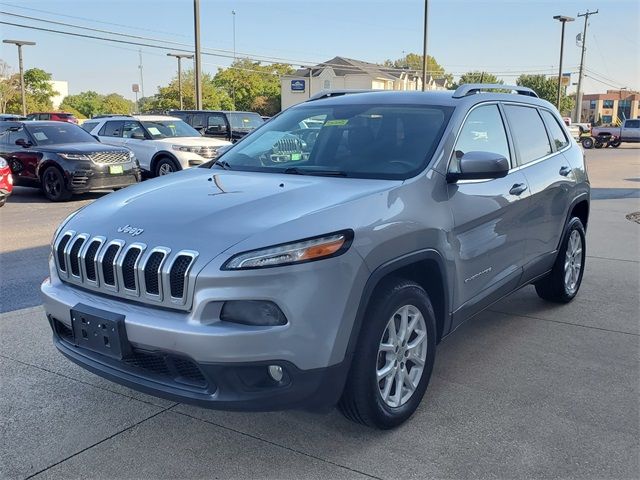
297 85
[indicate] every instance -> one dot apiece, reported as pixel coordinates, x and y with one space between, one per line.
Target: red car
55 116
6 181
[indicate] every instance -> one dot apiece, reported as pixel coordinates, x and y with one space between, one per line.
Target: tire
587 143
363 398
598 144
615 144
54 186
165 166
560 286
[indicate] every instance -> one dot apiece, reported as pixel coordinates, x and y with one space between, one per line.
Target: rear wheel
53 185
615 143
563 283
587 143
394 358
165 166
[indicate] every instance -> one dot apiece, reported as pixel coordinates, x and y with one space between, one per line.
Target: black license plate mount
100 331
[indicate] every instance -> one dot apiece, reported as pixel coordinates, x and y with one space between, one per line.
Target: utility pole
424 46
141 75
233 87
20 44
562 19
578 111
180 56
197 69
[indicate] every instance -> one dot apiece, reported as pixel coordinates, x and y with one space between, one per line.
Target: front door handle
564 171
518 188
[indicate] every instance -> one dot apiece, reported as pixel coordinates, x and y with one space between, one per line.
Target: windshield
169 128
59 134
244 121
364 141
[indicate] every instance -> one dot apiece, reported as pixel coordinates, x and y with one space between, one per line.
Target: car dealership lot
527 389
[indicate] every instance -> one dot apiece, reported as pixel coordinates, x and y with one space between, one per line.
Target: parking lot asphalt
525 390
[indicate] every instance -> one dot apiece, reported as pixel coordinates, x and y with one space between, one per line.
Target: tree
476 77
547 89
255 87
414 61
38 90
92 103
9 86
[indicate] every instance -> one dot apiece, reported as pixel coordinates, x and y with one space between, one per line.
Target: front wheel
394 358
53 185
587 143
564 280
165 166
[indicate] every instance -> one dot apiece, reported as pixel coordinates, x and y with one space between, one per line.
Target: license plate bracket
100 331
116 170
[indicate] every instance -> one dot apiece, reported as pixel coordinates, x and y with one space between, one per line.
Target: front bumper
86 180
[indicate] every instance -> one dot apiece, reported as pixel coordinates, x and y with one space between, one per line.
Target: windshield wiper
324 173
223 163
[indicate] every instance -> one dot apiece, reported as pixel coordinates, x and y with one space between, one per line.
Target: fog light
275 372
252 312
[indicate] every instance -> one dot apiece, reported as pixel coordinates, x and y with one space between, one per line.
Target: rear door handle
564 171
518 188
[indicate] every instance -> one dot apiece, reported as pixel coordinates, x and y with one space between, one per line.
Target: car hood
194 141
84 147
210 210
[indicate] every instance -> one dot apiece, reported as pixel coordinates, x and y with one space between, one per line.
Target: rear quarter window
88 126
528 132
556 132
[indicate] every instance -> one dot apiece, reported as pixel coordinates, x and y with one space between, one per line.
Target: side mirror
480 166
23 143
138 136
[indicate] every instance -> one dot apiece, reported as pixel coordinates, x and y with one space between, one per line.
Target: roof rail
336 93
472 88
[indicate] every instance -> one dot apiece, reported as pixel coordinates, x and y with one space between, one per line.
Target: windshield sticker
40 136
336 123
154 131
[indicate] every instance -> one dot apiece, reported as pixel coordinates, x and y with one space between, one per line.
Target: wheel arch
159 156
42 167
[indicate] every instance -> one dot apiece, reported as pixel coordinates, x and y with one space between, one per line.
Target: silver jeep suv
320 260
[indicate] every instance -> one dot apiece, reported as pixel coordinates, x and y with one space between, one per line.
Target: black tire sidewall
162 161
403 293
64 193
587 143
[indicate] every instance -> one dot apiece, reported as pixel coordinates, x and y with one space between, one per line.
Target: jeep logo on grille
134 232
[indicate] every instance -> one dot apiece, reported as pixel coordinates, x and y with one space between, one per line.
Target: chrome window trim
62 273
67 257
186 291
83 256
119 268
120 244
141 273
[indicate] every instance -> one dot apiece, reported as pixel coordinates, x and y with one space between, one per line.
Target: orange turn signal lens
323 250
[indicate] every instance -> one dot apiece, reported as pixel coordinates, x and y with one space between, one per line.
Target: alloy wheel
52 184
401 356
165 169
573 262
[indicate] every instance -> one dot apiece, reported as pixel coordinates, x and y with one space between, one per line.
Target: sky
500 36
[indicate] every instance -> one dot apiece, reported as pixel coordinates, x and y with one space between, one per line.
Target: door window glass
632 124
88 126
15 135
133 130
483 131
529 134
216 124
112 129
557 133
197 120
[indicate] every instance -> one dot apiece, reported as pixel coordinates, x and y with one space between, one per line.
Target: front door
138 141
489 234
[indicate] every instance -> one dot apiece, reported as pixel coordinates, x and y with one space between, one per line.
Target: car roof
30 123
151 118
214 111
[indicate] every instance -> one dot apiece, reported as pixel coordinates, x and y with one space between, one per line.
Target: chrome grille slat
109 158
113 267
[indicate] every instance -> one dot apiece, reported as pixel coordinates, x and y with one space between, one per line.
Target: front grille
115 268
109 158
80 177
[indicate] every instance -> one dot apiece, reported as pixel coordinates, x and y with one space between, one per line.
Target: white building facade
62 89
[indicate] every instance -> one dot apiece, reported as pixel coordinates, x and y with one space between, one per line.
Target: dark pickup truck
226 125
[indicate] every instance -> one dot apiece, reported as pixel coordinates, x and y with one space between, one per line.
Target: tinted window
245 121
362 141
555 131
632 124
133 129
112 129
88 126
18 135
217 121
44 116
529 134
197 120
60 133
483 131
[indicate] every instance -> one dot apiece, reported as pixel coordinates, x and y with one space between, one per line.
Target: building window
327 84
606 119
592 105
607 104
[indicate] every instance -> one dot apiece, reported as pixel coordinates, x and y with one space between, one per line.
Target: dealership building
611 107
342 73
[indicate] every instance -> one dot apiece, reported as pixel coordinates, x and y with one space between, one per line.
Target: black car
63 159
226 125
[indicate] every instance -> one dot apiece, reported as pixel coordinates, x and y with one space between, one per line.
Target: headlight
181 148
3 163
309 250
132 156
74 156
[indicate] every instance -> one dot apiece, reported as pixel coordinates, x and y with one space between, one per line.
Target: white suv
162 144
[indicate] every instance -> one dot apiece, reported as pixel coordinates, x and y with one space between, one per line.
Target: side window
17 135
4 138
217 123
88 126
197 120
44 116
557 133
133 129
112 129
632 124
483 131
529 134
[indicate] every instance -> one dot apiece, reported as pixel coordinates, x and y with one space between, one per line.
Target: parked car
231 126
54 116
629 132
6 181
62 159
162 144
295 274
11 117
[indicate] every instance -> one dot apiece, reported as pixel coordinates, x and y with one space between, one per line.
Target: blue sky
507 37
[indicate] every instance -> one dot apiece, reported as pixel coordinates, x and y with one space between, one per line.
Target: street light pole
563 19
233 86
424 45
20 44
180 56
197 71
578 112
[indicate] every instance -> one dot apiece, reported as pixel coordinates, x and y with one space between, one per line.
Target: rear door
111 133
217 126
489 235
22 161
540 142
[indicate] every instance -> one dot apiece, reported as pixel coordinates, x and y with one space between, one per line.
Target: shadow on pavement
21 272
614 193
35 195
